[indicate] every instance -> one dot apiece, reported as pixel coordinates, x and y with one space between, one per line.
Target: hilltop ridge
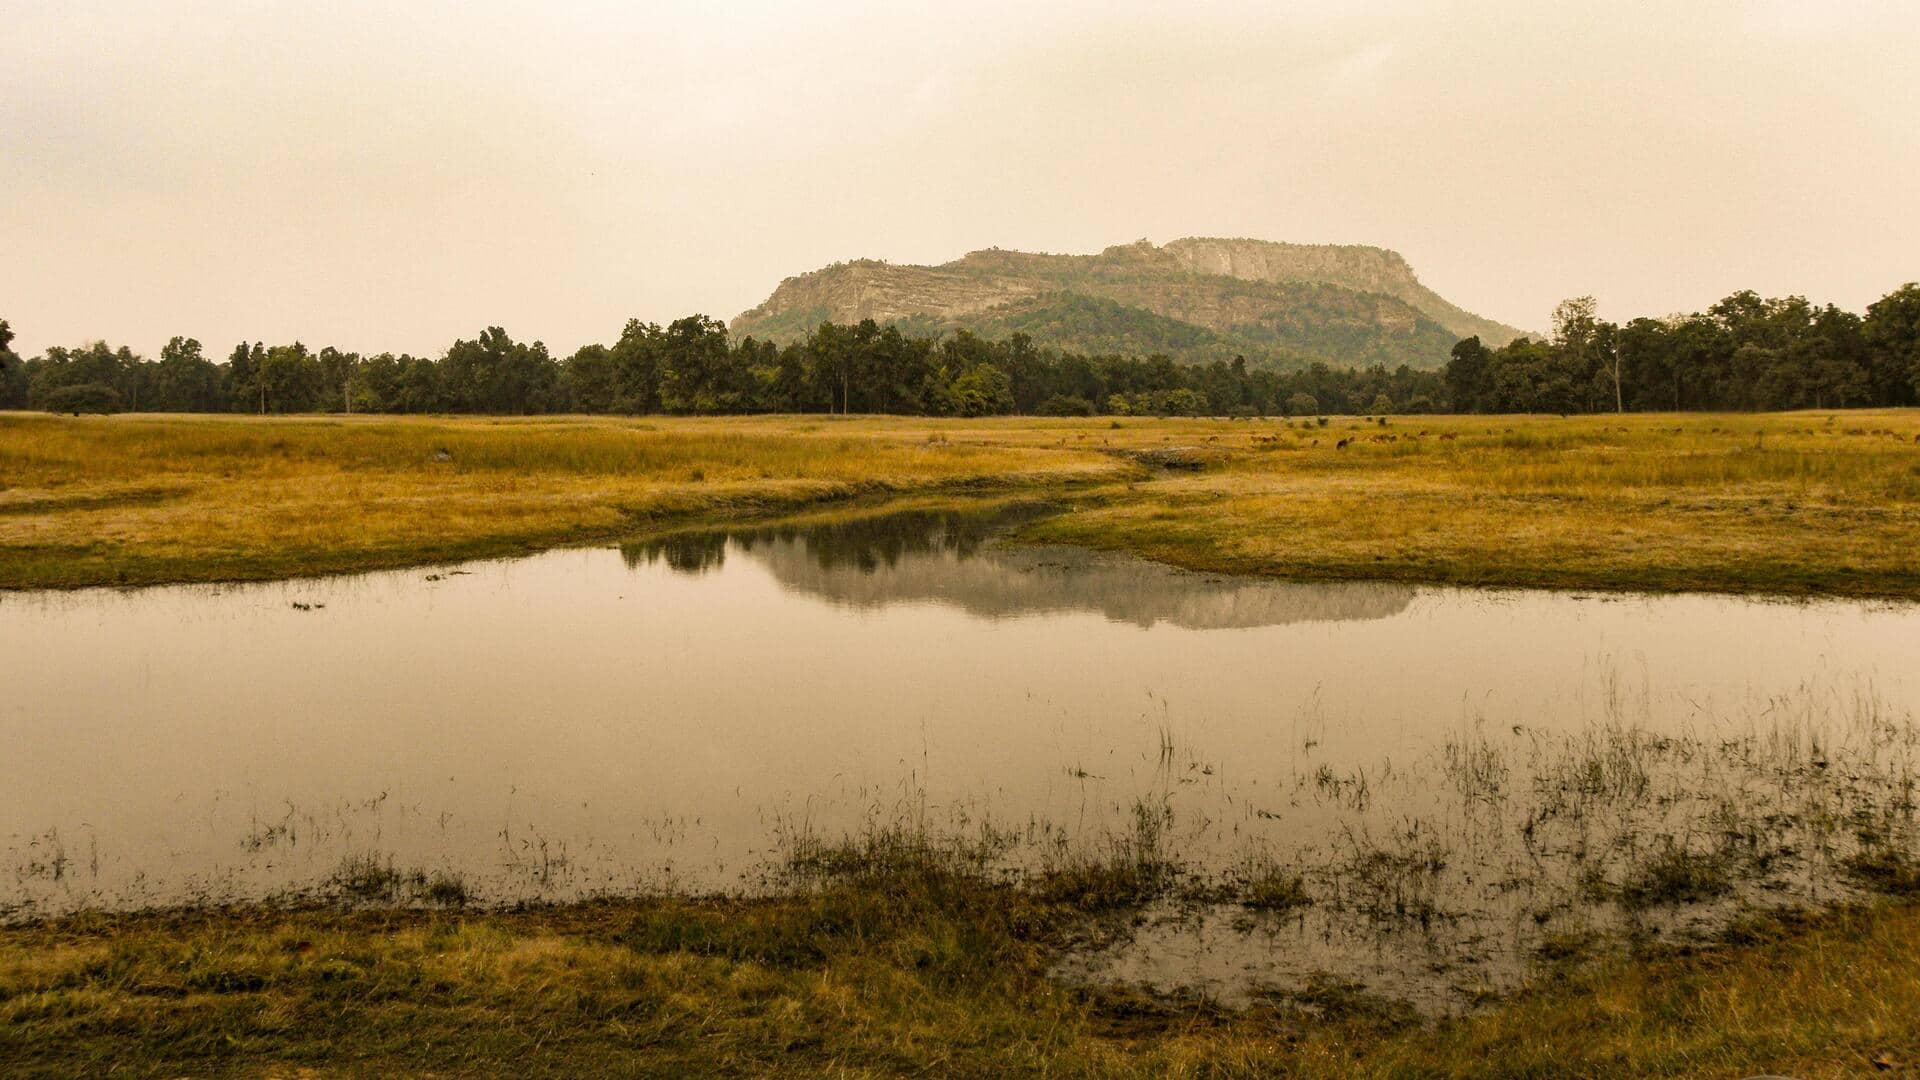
1196 299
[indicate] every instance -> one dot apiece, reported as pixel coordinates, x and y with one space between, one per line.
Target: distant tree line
692 366
1742 353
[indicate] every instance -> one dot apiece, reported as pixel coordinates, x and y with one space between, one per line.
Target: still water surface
675 714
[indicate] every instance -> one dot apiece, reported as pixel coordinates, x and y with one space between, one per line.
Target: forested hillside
1197 300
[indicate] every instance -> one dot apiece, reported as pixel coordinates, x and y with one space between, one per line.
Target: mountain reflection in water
951 557
1452 776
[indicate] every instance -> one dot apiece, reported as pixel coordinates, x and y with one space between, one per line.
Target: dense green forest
1744 352
692 366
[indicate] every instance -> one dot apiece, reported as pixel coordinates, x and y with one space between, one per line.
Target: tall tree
1469 376
289 380
1892 334
185 380
96 374
13 372
587 380
336 374
636 368
246 389
695 373
495 374
1584 342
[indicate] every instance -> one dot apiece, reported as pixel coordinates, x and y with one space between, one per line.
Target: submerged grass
1674 875
1787 503
901 950
1886 870
1263 884
921 968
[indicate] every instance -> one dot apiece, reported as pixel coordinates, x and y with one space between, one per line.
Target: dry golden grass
128 500
947 977
1790 503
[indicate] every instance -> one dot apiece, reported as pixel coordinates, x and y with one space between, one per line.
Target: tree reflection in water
953 557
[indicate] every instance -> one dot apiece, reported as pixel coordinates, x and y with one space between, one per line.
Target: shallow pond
1452 777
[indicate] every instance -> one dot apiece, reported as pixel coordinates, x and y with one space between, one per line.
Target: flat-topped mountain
1195 299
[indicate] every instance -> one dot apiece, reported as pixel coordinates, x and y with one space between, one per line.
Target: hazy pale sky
392 175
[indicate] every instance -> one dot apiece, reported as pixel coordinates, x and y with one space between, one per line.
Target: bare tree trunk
1619 400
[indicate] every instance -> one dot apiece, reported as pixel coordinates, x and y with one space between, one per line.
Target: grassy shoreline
166 500
63 571
887 976
1787 504
921 969
1483 569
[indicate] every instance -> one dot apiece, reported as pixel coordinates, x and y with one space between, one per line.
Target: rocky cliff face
849 292
1367 269
1276 303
